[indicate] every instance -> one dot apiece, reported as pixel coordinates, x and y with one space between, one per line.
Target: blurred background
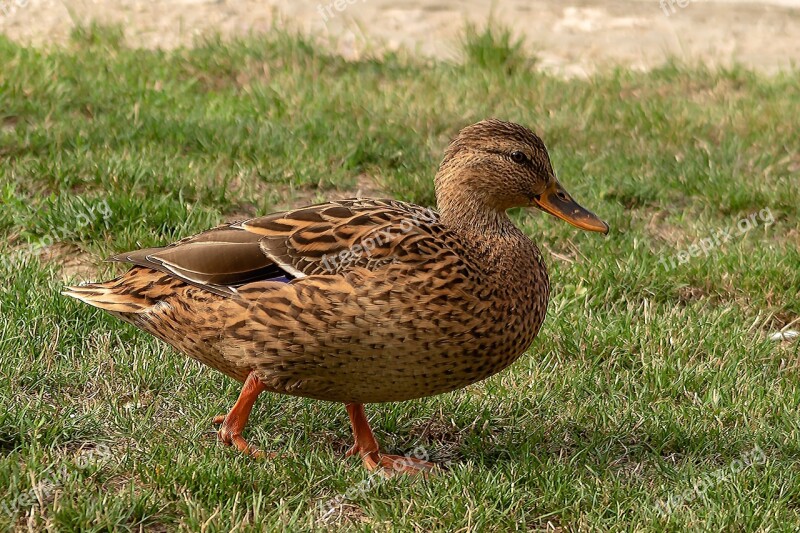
571 38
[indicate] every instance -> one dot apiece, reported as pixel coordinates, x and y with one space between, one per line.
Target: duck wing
328 238
337 237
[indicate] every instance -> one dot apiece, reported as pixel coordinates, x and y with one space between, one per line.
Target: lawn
653 398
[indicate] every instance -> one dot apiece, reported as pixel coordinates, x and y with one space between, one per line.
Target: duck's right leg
233 423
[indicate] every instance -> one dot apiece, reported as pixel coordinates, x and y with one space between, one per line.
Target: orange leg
230 433
367 447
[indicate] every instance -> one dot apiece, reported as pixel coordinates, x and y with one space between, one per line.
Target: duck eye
519 157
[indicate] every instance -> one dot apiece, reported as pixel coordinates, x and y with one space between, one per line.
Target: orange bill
556 201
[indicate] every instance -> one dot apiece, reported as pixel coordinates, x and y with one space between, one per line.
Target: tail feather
107 296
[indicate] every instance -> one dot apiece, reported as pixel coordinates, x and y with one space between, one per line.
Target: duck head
499 165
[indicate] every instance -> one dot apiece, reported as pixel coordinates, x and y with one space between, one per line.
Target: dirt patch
73 263
344 513
661 229
573 39
365 187
690 294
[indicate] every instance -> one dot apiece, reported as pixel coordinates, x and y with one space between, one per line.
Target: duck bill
556 201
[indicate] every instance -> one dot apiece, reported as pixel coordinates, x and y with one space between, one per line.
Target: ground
655 397
572 39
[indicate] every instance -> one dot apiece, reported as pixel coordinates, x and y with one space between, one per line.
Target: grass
646 381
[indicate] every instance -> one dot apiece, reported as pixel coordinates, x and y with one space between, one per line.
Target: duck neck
489 234
464 205
467 215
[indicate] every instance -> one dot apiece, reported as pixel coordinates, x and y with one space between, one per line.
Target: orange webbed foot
367 447
391 465
230 437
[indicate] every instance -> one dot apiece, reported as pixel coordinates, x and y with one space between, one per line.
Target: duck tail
106 296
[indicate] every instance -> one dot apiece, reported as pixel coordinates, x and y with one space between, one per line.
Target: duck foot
367 448
233 423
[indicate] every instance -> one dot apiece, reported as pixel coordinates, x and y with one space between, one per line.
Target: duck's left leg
367 447
233 423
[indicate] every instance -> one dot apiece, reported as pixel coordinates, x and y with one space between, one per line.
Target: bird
364 300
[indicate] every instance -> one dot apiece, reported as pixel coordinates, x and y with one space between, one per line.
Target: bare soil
572 39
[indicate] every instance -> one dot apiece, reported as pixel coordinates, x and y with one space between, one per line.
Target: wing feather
329 238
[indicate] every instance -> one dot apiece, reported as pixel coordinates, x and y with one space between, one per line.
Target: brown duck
364 300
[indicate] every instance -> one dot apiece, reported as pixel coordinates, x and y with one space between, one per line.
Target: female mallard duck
361 301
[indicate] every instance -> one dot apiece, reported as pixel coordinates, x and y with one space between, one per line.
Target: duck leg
230 432
367 447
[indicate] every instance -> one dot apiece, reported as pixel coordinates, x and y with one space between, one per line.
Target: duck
364 300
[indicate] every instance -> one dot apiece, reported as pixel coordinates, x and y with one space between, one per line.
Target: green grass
644 381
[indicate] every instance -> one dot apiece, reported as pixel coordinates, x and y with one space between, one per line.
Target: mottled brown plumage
364 300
